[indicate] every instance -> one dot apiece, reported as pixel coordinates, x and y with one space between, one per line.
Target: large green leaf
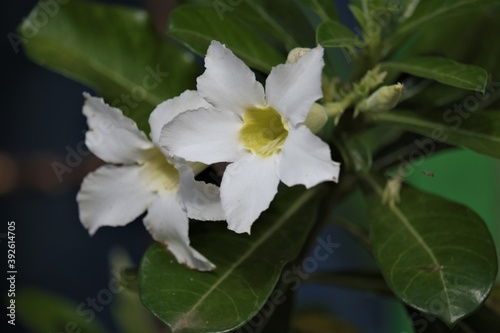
335 34
436 255
116 51
478 131
248 268
197 26
43 312
430 11
442 70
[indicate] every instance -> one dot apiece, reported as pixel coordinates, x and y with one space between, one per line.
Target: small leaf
443 70
436 255
478 131
116 51
43 312
248 268
197 27
335 34
359 15
324 8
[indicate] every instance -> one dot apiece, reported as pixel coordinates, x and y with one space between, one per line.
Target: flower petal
204 135
168 110
202 200
113 137
305 159
227 82
168 223
112 196
248 187
292 89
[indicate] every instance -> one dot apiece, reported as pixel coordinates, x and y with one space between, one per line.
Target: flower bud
316 118
335 110
383 99
296 54
391 194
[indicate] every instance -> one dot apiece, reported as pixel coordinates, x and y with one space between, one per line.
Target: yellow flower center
162 174
264 131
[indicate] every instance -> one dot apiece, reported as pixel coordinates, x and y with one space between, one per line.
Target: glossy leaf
114 50
248 268
436 255
43 312
335 34
443 70
475 131
324 8
196 27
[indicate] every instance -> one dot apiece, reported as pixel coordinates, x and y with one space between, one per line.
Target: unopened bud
335 110
391 195
316 118
383 99
296 54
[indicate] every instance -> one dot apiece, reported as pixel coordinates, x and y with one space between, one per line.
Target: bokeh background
41 122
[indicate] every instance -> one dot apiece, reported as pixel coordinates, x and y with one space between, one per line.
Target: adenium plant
293 112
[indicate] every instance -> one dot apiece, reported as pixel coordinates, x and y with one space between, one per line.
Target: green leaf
196 27
248 268
114 50
436 255
478 131
443 70
335 34
359 15
44 312
430 11
324 8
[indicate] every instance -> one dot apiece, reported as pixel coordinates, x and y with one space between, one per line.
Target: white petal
112 196
227 82
204 135
168 110
168 223
202 200
305 159
292 89
113 137
248 187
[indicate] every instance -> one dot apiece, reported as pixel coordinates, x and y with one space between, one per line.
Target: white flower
142 178
262 133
